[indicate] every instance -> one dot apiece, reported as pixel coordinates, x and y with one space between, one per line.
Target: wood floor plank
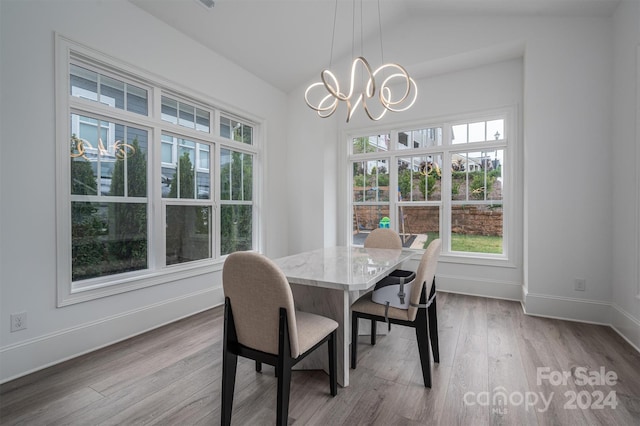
172 376
505 370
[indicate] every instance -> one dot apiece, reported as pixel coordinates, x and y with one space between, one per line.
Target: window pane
495 130
476 228
366 219
109 91
419 178
186 116
225 174
477 175
423 138
225 127
167 152
137 100
236 224
236 130
84 83
202 120
107 239
236 175
181 179
370 181
418 225
169 110
202 181
247 134
477 132
188 235
119 167
375 143
459 134
133 154
112 92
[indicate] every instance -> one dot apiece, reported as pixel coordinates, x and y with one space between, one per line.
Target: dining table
326 281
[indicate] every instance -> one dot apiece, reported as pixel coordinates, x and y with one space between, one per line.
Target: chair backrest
257 289
424 275
383 238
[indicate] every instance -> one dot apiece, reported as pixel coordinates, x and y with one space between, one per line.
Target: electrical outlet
579 284
18 321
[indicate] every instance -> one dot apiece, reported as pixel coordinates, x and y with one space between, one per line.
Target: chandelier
367 87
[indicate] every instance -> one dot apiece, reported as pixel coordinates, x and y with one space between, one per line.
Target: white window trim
94 289
512 197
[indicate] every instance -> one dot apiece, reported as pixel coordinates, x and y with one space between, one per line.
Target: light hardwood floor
171 376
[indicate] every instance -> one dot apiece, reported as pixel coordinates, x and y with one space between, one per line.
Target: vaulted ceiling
288 42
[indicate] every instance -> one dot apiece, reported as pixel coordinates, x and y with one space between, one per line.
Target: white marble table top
342 267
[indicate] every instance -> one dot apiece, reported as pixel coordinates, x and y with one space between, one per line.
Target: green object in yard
385 222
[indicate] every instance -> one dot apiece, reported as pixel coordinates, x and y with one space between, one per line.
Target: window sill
139 281
471 260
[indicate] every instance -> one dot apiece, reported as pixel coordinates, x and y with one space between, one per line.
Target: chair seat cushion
365 305
312 328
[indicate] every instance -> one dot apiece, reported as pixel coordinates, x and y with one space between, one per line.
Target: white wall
27 171
625 171
568 150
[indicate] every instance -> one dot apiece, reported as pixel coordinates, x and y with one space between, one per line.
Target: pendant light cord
333 36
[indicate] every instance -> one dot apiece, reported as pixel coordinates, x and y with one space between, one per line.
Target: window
447 181
144 196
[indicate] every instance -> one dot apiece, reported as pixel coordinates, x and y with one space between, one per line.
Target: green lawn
471 243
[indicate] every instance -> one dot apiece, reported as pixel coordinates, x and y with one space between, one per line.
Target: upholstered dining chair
415 316
260 323
383 238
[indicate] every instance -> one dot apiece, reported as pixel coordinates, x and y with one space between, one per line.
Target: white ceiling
287 42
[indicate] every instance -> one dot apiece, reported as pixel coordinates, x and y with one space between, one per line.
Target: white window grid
69 52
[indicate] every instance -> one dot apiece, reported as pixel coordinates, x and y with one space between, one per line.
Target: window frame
511 198
158 272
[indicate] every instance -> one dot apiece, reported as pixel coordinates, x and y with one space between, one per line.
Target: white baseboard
479 287
583 310
626 326
35 354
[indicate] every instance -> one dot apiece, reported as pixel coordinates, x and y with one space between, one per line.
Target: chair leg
433 326
229 366
258 366
284 387
333 357
422 336
354 339
283 370
373 332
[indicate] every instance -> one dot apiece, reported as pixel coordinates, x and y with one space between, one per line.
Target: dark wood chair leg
433 325
354 339
422 336
284 387
258 366
373 332
333 358
283 371
229 366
